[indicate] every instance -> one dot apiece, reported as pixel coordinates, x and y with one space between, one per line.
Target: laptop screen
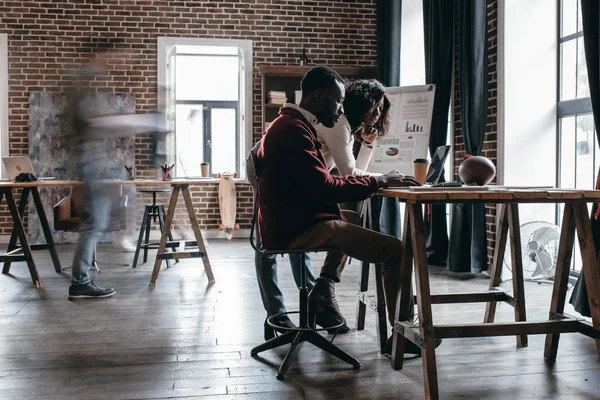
437 164
17 165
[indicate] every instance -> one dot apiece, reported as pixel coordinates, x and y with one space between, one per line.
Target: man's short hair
319 78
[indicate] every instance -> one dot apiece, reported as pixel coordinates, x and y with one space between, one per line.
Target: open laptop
20 164
186 176
437 164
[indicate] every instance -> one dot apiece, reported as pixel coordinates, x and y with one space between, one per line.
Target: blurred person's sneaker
89 291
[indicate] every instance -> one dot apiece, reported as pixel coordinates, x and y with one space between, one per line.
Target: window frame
244 127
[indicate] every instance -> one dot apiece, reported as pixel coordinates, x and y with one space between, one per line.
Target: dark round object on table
477 170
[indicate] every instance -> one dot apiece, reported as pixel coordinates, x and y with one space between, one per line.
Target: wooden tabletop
137 182
492 194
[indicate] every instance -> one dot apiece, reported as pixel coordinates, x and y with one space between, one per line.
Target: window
207 97
3 97
578 154
577 147
412 60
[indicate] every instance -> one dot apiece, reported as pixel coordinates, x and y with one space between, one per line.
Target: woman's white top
337 144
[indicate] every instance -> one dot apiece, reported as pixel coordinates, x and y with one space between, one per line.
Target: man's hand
394 179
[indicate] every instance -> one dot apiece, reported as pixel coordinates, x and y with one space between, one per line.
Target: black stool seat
151 213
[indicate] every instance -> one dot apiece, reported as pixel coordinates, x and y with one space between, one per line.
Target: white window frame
245 127
4 98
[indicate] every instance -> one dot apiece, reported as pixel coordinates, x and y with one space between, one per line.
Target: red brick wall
45 39
491 136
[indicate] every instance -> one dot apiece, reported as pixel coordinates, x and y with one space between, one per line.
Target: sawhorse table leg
199 242
18 232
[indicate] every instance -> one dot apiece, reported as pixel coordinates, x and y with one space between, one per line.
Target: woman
366 117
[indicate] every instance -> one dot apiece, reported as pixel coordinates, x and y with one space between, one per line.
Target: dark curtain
438 23
468 241
590 13
386 210
389 14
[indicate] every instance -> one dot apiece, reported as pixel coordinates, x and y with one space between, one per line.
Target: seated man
298 198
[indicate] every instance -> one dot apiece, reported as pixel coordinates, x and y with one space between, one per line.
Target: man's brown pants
352 240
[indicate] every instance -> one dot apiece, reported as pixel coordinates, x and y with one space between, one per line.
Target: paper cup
420 169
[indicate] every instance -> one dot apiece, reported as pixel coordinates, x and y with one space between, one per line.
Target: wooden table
575 219
23 252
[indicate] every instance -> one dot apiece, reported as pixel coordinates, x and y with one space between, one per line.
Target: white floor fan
539 248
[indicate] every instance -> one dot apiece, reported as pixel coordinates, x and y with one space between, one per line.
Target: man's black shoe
410 348
323 305
324 320
282 321
89 291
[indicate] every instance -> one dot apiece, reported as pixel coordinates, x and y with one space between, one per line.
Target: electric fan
539 248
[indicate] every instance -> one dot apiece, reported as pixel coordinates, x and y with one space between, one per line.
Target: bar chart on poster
408 136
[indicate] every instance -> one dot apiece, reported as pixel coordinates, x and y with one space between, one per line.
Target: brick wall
491 136
45 39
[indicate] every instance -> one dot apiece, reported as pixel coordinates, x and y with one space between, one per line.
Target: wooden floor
185 339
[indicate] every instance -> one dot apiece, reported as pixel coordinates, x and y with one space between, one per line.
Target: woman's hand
369 133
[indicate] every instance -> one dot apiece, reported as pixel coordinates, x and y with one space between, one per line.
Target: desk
18 232
178 186
575 220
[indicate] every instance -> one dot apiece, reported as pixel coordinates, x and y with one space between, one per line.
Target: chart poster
410 125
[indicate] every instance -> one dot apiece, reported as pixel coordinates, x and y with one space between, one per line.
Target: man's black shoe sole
88 296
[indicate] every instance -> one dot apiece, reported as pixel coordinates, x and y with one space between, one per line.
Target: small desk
178 186
23 252
575 220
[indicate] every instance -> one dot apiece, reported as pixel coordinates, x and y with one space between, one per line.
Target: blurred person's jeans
98 207
266 273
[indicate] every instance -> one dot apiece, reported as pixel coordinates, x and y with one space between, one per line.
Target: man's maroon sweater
295 189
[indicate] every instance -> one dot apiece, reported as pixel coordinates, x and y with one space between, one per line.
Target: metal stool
151 212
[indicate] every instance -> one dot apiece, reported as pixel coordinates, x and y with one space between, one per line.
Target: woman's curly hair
361 97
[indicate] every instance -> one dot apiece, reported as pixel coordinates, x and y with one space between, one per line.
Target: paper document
410 125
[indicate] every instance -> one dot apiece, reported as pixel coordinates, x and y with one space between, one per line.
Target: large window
578 150
206 94
3 97
578 154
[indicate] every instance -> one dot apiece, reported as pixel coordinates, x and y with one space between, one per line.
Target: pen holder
131 171
166 169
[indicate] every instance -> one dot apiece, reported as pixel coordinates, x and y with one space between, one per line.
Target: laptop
186 176
20 164
437 165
